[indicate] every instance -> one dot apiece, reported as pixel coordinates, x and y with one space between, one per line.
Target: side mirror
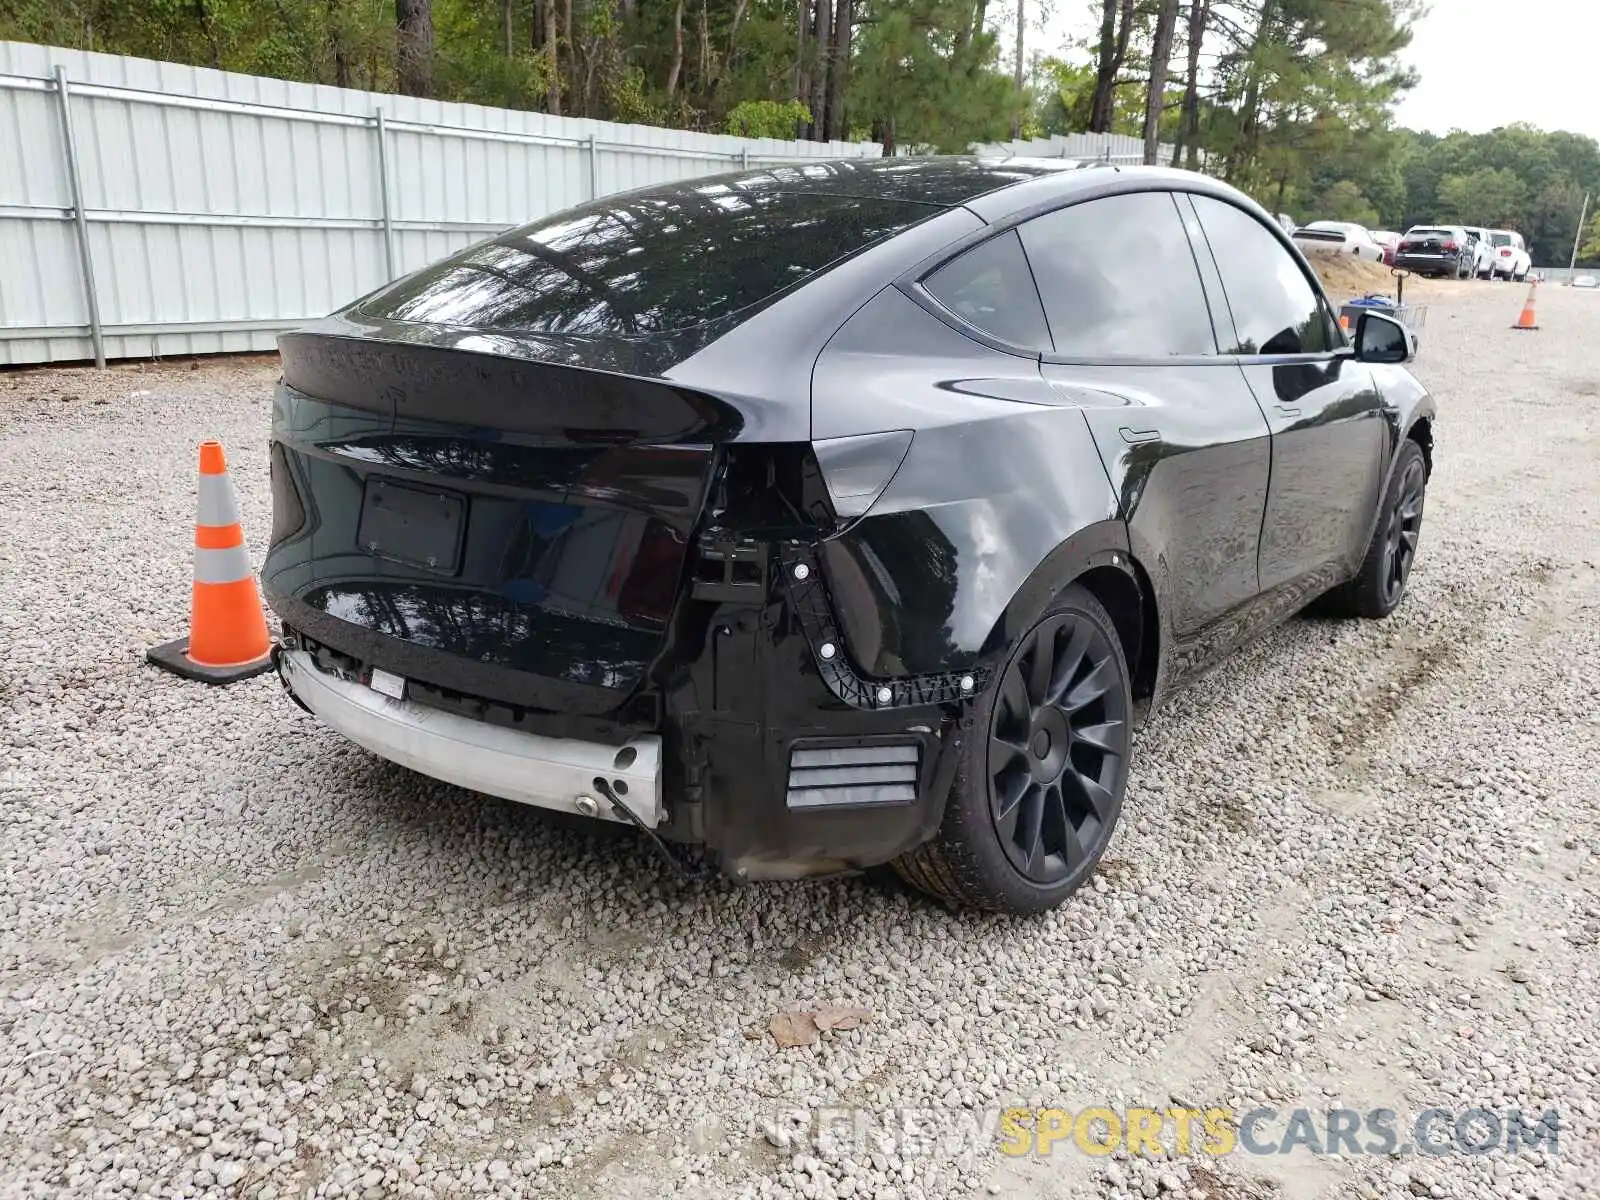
1381 338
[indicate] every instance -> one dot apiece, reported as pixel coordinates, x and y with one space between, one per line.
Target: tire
1043 765
1379 586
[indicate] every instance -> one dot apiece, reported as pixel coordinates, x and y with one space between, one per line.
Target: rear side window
991 288
641 263
1118 277
1275 308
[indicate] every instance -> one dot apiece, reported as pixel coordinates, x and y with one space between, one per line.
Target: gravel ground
240 957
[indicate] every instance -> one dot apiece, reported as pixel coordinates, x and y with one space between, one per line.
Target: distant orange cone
1344 322
227 631
1526 321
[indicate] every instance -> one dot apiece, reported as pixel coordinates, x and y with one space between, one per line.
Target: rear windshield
1500 239
646 262
1425 232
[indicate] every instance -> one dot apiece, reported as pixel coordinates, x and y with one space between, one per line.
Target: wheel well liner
1131 603
1421 432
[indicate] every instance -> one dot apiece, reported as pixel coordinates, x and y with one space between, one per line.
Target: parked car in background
1583 281
816 553
1511 259
1388 241
1436 250
1482 251
1337 237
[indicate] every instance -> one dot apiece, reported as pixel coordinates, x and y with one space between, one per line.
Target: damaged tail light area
768 494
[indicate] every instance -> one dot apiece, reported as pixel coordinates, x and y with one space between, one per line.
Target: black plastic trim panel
808 595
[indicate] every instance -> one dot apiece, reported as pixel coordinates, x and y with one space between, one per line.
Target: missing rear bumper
556 773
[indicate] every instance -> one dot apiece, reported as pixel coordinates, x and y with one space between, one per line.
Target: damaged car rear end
549 517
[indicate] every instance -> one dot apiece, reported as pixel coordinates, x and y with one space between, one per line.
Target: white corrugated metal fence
213 210
1106 147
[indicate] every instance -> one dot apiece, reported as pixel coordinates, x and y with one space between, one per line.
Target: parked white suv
1511 259
1483 247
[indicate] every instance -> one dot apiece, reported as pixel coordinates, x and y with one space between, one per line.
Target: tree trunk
843 20
1156 96
552 39
1116 27
1189 120
413 21
1244 148
739 10
1022 24
705 49
511 45
537 34
569 35
677 50
819 81
341 52
802 85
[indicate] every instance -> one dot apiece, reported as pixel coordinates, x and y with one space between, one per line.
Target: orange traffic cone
1526 321
227 631
1344 322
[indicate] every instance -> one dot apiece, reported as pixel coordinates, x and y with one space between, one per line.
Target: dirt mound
1346 276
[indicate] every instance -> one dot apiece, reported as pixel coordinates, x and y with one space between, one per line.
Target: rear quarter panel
1001 500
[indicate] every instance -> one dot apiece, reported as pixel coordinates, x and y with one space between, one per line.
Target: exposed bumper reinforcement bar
547 772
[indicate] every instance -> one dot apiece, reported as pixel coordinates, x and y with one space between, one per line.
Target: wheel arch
1099 559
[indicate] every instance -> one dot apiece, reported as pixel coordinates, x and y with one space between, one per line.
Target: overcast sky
1482 63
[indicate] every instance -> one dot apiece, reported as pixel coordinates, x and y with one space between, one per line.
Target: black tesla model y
834 515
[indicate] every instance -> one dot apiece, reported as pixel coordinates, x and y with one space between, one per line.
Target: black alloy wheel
1404 528
1058 749
1379 586
1041 770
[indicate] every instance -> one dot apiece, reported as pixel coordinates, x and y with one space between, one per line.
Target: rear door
1330 438
1182 438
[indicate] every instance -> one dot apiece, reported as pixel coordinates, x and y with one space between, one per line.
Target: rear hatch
499 528
483 479
1434 243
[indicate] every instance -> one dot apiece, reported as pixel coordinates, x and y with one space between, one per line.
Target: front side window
1118 278
991 288
1275 308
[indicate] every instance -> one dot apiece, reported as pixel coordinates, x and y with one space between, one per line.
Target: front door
1330 436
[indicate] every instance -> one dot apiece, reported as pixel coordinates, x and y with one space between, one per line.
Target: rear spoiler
419 382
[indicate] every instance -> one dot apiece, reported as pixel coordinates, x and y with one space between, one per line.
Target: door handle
1287 411
1135 437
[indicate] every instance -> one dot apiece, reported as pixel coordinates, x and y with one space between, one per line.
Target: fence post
744 158
592 148
383 193
75 181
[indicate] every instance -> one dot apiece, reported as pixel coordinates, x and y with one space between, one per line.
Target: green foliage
767 118
1343 201
1492 196
1590 250
929 80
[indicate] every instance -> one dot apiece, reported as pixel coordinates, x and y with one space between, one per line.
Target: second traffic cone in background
227 631
1526 320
